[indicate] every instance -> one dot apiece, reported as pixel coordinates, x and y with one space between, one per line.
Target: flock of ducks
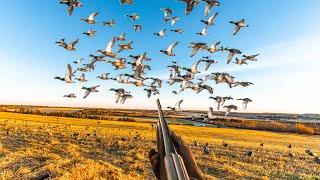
186 77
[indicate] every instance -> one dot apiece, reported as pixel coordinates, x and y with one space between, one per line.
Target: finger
187 156
155 162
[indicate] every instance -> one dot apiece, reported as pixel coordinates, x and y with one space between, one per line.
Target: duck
185 84
90 33
169 51
251 57
204 32
70 47
82 78
122 37
118 63
90 90
125 96
137 27
78 61
175 69
97 58
193 69
190 4
133 16
156 81
232 52
238 25
161 33
229 108
126 46
226 98
243 84
174 20
126 2
245 102
151 91
198 87
177 106
196 47
240 61
179 30
71 95
214 47
208 62
108 51
71 5
166 12
218 101
120 80
109 23
209 5
104 76
118 93
211 20
68 75
90 19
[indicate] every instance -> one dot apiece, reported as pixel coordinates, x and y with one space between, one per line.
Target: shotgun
171 164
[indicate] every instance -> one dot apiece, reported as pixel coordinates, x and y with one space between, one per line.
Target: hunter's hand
184 151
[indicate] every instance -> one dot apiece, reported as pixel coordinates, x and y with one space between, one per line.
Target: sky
285 33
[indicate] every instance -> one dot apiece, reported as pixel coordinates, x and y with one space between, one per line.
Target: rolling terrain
33 146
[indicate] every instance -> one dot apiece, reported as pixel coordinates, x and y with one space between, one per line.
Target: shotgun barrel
171 164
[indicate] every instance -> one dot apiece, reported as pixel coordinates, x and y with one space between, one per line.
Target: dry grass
38 146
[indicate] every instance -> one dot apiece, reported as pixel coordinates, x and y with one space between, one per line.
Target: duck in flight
229 108
90 90
70 47
161 33
104 76
126 46
133 16
211 20
126 2
209 5
68 75
109 23
71 95
245 102
190 4
169 51
91 18
90 33
166 12
82 78
238 25
71 5
177 106
108 51
179 30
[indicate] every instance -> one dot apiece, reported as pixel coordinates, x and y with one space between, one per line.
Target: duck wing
110 45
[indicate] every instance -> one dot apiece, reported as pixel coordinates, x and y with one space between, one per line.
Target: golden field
34 147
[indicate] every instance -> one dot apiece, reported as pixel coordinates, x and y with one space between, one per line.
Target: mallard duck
208 63
68 75
90 19
82 78
180 31
240 61
133 16
218 101
108 51
211 20
196 47
90 33
229 108
70 47
190 4
177 106
238 25
104 76
169 51
126 46
232 52
122 37
71 95
126 2
209 5
90 90
204 32
174 20
71 5
166 12
137 27
119 63
243 84
109 23
251 57
161 33
245 102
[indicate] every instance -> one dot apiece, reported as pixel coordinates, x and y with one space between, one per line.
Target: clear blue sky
286 33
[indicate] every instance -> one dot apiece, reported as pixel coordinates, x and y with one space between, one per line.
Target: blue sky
286 33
